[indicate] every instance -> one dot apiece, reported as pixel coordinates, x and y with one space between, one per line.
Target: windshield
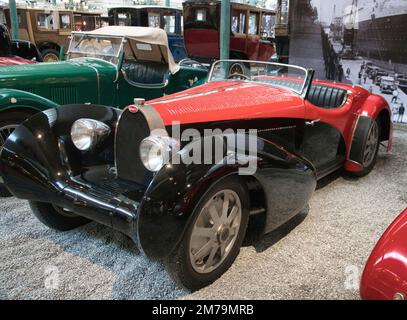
102 47
280 75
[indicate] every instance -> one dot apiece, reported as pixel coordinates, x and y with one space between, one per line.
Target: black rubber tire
15 117
46 52
48 215
178 263
366 170
4 193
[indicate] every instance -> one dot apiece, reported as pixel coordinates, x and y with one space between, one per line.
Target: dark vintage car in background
275 133
16 52
251 31
387 84
87 21
166 18
385 273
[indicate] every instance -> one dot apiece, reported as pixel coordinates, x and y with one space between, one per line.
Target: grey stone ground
311 258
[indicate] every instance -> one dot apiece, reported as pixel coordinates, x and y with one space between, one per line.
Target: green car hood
82 75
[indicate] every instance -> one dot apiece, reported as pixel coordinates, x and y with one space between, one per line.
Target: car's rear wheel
9 121
56 217
213 238
370 149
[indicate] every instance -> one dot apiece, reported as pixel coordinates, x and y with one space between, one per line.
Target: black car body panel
40 163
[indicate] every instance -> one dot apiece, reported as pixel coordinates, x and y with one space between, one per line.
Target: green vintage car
109 66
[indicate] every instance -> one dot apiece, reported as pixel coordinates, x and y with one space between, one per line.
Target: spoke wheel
369 152
215 231
236 68
5 131
213 237
371 145
50 55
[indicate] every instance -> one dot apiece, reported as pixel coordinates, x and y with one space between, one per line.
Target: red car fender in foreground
385 274
11 61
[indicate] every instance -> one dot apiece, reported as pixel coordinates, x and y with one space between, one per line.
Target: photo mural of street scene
362 42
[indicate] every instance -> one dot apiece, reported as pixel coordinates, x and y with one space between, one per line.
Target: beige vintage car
50 29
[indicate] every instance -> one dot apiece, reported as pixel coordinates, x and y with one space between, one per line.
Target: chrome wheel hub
371 145
50 57
215 231
223 235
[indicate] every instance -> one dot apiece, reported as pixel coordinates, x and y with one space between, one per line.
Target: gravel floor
316 256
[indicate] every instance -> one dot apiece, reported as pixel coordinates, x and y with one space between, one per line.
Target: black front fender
166 209
39 157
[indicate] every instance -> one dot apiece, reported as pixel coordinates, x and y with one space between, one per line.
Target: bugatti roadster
154 170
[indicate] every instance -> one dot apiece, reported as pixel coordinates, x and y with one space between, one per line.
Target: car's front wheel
213 239
56 217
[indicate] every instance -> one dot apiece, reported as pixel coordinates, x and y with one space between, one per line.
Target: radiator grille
64 95
131 130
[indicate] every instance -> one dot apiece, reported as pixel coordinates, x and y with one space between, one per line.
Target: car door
327 116
127 90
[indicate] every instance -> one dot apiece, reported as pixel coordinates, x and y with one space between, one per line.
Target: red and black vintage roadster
184 174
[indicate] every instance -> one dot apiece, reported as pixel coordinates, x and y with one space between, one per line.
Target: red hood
219 101
10 61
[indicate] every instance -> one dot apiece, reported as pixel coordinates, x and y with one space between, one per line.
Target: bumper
40 163
105 199
104 202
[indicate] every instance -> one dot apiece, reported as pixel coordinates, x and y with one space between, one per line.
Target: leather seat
147 72
326 97
319 95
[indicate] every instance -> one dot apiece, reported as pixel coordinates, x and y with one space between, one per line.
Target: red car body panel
222 101
233 100
265 51
10 61
385 273
204 43
196 39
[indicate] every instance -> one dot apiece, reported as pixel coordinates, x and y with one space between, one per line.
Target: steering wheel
238 76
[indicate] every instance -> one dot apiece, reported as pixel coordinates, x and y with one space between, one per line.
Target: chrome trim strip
152 117
355 162
97 79
351 140
144 85
353 134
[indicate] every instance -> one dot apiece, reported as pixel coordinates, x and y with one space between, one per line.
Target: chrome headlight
155 151
86 133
